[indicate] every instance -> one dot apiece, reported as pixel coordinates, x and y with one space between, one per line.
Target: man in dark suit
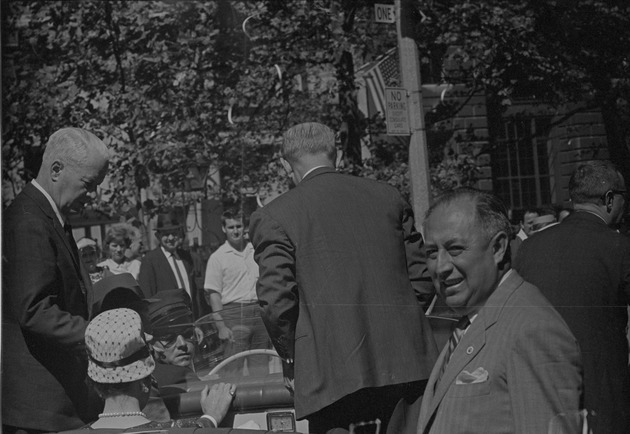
46 290
169 266
339 260
511 365
582 266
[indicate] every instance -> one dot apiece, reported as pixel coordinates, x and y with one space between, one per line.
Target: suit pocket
468 390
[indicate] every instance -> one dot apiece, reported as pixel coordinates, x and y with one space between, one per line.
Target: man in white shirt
230 288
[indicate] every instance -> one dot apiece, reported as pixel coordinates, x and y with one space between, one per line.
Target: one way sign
384 13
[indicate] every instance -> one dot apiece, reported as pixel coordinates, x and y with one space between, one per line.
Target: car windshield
246 353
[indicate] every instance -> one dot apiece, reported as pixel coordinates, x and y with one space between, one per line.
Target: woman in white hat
120 368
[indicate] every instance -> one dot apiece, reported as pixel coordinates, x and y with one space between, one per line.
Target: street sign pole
418 155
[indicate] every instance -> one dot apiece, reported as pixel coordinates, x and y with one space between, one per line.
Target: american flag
383 72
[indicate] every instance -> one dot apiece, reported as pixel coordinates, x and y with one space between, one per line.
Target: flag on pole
379 74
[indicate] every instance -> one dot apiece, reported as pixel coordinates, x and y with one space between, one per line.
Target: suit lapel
429 393
47 209
469 346
84 279
467 349
168 271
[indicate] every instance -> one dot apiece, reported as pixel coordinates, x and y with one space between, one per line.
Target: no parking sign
397 114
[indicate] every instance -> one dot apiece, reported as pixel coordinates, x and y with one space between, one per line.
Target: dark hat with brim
168 222
116 291
170 312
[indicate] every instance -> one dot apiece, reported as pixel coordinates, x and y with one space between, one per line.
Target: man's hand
289 383
225 334
216 400
288 374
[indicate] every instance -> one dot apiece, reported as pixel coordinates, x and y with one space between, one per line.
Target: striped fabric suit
515 369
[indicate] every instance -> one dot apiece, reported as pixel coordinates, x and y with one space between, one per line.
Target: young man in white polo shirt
230 288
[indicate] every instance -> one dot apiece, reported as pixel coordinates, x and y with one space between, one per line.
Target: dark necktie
85 280
456 336
73 245
180 279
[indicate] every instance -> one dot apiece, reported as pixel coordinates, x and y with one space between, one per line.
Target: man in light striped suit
512 364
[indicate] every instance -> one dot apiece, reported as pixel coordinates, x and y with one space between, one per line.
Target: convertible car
262 403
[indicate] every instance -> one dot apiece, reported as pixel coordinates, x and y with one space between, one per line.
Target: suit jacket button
469 350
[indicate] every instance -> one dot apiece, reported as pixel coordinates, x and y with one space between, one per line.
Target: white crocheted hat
117 347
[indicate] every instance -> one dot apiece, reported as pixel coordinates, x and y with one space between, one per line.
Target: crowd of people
337 279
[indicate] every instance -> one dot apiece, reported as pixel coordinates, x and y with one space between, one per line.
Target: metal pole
418 154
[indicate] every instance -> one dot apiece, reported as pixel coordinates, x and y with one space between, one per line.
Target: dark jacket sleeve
416 261
277 286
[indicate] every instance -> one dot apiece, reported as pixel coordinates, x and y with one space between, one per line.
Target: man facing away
230 286
583 267
46 290
511 365
339 260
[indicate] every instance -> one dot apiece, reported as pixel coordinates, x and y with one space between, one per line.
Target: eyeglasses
170 339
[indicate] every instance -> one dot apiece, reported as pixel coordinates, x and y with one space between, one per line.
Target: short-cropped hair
309 138
591 180
231 214
491 212
71 145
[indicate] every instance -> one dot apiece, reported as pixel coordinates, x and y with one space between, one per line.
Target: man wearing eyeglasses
173 334
582 265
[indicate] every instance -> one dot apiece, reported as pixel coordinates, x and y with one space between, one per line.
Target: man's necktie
73 245
180 279
85 280
456 336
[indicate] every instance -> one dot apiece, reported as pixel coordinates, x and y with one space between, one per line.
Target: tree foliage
158 80
556 52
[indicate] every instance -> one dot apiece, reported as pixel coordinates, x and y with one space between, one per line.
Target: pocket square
479 375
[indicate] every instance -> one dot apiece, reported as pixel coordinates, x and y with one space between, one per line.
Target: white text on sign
384 13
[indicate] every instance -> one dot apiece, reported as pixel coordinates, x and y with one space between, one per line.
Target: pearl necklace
123 414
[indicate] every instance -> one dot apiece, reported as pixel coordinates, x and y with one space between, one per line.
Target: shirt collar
167 253
230 248
594 213
473 315
310 170
50 200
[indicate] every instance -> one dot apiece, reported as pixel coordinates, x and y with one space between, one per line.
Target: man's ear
499 245
55 170
609 197
286 165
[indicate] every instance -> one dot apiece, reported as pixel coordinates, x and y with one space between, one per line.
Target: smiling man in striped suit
512 364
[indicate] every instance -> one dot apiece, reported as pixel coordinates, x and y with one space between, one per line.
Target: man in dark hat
169 266
173 334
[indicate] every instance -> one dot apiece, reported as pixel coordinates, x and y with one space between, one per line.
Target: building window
520 165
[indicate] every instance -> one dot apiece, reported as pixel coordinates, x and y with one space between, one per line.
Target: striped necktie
456 336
